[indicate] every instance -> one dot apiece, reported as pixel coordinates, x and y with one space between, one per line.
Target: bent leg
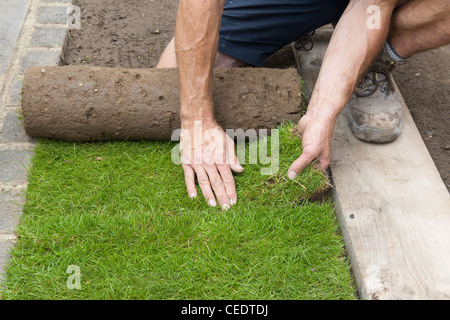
252 30
420 25
169 60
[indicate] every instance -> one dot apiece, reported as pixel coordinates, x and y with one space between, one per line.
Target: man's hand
316 135
352 48
204 152
208 153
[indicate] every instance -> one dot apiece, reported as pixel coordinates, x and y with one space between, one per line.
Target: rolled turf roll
79 103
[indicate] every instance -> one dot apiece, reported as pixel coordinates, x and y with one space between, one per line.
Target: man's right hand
203 152
208 154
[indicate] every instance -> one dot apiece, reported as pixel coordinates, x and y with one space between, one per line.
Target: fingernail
292 175
240 167
233 201
225 206
212 203
192 195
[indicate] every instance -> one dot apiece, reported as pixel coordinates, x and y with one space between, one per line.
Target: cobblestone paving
32 33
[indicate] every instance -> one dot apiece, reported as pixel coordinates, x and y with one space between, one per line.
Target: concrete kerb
41 42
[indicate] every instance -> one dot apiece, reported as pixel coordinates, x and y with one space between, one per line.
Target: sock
392 53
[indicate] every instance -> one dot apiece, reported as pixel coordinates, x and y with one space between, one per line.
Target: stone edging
41 42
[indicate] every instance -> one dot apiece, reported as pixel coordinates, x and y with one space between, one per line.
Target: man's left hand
316 135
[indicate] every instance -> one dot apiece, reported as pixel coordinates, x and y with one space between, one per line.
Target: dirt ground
134 33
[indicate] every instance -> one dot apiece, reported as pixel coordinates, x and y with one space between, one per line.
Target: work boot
374 113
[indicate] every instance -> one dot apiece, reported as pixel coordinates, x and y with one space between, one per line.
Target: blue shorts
252 30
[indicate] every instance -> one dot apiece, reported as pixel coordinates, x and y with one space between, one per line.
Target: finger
228 181
189 178
232 159
302 125
217 185
236 166
298 165
205 186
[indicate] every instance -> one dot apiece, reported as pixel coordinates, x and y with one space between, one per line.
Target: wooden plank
392 204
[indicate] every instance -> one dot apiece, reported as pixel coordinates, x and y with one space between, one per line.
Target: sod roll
78 103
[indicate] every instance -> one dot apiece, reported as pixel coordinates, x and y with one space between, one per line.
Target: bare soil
134 33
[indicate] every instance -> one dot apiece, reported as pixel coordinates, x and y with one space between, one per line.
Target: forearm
196 41
352 48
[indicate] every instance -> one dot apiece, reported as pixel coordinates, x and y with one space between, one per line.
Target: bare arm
352 48
196 42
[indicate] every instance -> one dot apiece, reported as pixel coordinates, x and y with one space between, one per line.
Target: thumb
303 122
236 166
298 165
233 159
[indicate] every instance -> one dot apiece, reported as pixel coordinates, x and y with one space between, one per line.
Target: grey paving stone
12 130
14 165
15 92
61 1
39 58
2 79
13 194
5 248
11 206
53 15
12 14
48 37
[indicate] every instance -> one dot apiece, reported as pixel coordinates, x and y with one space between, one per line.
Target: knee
168 58
385 4
226 61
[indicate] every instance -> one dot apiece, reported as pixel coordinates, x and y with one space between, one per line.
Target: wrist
205 120
326 104
197 111
323 114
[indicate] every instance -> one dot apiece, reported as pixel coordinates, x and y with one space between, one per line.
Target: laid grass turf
119 211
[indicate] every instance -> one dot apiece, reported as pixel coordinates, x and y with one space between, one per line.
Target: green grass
119 211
